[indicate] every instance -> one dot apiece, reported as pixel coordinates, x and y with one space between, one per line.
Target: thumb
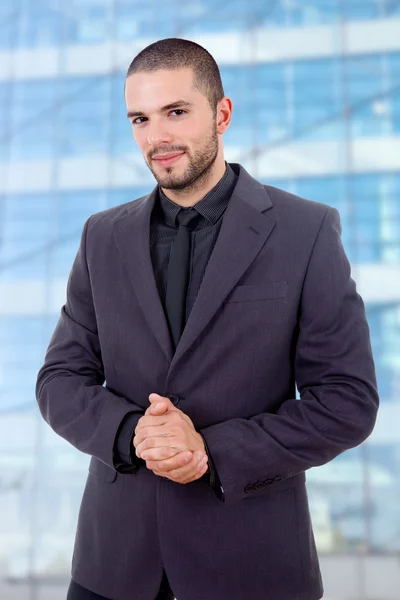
157 405
158 408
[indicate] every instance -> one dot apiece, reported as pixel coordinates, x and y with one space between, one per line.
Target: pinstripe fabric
163 229
277 308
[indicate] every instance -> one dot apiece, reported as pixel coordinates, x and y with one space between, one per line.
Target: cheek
187 132
137 137
140 137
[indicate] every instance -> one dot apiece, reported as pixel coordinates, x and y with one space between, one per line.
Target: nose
157 133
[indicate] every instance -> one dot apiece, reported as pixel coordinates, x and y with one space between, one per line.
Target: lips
167 159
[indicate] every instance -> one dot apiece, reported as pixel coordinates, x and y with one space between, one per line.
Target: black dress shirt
163 229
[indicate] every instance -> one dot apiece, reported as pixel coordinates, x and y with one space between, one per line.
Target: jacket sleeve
69 388
335 376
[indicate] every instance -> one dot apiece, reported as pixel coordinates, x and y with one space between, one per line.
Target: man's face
173 125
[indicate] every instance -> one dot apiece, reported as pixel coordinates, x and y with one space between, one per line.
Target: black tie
178 273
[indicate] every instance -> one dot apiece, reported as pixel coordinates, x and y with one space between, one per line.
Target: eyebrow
177 104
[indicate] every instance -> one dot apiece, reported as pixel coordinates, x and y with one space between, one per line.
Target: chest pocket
258 291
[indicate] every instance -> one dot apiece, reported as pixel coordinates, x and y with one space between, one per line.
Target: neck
192 194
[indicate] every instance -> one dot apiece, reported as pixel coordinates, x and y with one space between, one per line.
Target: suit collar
211 207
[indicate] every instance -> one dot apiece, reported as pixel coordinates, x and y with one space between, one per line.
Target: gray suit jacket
277 307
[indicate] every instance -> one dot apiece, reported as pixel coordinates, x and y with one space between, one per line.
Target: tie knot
188 218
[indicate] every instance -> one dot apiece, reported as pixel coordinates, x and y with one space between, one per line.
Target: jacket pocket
101 470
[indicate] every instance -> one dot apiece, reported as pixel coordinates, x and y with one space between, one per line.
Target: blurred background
315 86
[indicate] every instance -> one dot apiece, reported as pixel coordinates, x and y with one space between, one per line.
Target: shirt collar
210 207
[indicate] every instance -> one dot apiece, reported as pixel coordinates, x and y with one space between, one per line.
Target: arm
69 388
335 375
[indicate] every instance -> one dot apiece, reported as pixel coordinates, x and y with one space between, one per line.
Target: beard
200 165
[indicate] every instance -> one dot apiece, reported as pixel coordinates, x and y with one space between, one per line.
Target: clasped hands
167 440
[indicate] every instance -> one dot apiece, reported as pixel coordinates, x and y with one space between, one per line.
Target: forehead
149 90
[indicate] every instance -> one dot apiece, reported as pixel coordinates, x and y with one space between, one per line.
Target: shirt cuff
125 459
212 476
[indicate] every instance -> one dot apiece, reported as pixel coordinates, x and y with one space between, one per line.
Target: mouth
167 159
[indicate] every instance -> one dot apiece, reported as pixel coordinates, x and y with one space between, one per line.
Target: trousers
77 592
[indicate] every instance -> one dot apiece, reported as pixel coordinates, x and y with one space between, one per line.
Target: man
191 315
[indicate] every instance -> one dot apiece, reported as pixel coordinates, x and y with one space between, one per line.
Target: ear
224 114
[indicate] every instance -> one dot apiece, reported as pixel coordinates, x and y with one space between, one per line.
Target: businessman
191 315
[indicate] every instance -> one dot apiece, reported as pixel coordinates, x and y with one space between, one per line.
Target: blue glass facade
316 112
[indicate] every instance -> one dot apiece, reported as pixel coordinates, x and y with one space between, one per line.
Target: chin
172 185
172 182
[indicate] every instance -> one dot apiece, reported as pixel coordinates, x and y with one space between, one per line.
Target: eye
178 110
136 121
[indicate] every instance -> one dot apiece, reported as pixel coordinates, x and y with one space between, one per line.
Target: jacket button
259 485
278 479
249 488
268 481
174 398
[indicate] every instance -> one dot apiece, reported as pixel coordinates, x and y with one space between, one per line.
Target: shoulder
286 201
104 218
299 212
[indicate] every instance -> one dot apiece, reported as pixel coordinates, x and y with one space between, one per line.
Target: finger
153 420
202 471
164 453
177 470
179 478
194 470
159 407
150 443
155 432
170 463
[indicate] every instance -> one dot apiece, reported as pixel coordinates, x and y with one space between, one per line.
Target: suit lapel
132 235
244 231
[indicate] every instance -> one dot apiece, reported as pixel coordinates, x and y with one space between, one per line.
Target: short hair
177 53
